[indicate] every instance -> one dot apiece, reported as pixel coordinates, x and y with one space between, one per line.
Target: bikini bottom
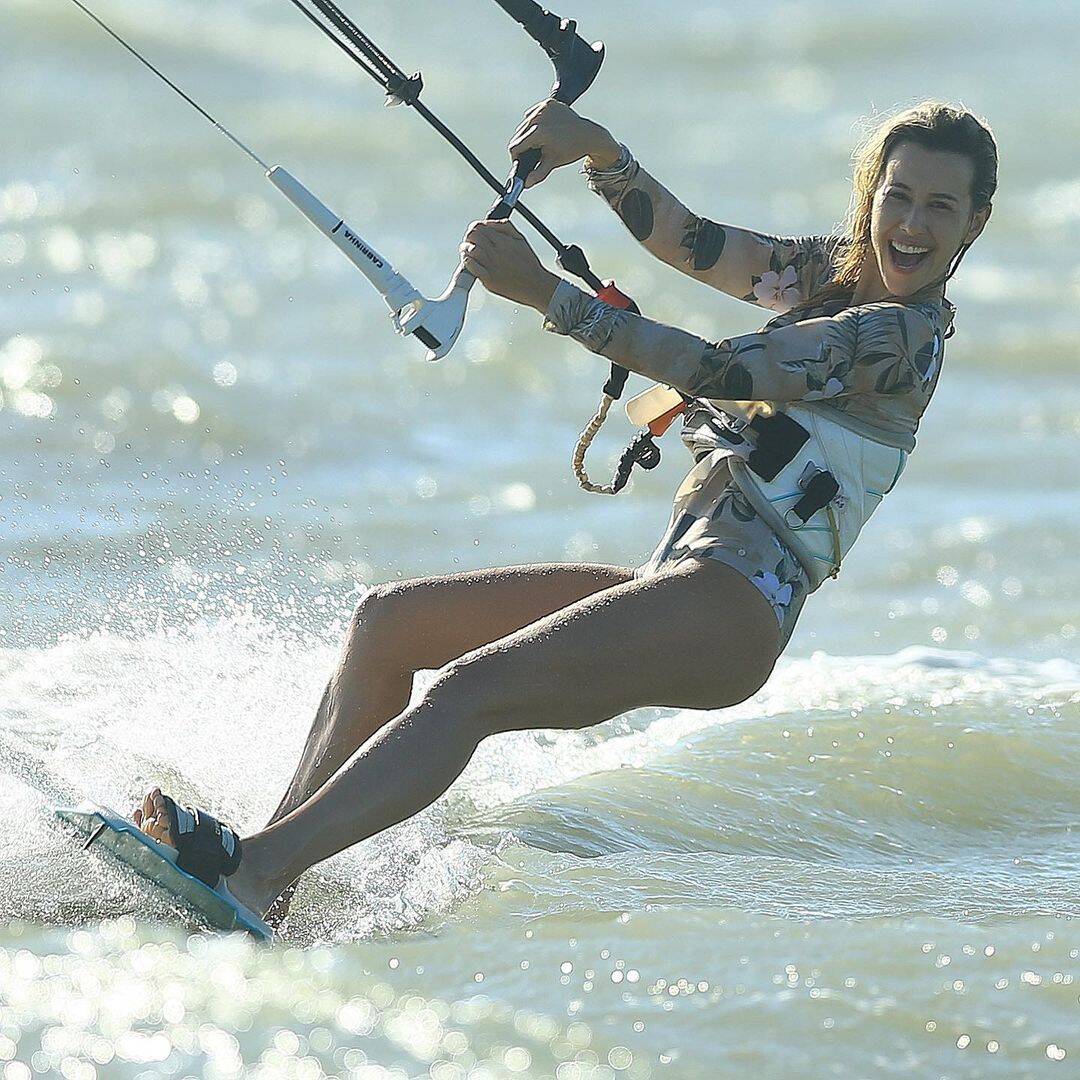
711 519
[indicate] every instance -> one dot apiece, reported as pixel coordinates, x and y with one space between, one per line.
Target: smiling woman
798 432
923 186
916 230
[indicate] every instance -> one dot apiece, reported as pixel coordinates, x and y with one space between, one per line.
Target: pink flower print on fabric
832 387
778 292
778 593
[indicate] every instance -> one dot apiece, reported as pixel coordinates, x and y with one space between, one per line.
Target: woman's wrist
604 154
540 295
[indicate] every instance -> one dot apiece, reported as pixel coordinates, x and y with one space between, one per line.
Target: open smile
907 258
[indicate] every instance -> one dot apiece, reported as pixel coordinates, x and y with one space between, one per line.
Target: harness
814 473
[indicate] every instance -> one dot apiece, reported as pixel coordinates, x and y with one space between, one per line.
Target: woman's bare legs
409 626
421 624
700 636
401 628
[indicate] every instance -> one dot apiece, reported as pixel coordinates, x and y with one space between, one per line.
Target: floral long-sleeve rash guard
877 362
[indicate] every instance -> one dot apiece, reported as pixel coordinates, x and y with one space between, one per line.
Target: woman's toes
162 816
153 817
159 830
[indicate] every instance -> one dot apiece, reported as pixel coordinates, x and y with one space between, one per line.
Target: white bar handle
395 289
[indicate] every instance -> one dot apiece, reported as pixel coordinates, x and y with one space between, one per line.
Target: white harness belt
864 461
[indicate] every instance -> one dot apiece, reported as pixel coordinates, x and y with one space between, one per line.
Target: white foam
217 713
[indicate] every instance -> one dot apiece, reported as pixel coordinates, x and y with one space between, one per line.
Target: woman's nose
915 219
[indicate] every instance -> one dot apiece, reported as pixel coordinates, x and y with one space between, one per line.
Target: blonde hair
930 124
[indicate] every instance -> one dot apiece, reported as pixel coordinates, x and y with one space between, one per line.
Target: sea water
211 443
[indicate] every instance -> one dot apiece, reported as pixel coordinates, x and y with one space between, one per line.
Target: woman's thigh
431 621
697 636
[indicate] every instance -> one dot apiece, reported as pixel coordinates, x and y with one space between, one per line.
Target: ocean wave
925 761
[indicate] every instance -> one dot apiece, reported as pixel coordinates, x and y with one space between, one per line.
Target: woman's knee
380 622
411 625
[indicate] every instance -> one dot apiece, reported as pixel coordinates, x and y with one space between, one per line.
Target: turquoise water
211 441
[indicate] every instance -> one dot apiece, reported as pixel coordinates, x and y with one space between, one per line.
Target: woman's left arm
883 348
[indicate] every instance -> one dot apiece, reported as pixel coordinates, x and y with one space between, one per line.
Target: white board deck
105 831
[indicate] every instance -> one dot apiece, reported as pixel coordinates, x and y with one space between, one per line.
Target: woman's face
922 215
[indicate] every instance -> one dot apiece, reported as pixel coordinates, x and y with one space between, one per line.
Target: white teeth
909 249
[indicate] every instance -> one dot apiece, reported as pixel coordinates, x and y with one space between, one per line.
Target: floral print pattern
779 291
774 272
777 592
878 363
713 519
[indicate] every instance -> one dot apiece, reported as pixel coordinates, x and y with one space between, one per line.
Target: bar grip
396 290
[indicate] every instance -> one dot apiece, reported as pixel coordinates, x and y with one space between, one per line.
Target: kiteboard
107 832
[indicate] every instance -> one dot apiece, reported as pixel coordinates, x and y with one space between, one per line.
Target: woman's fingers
529 139
476 252
531 116
479 262
540 173
475 267
534 110
479 229
534 138
486 238
498 255
490 248
556 131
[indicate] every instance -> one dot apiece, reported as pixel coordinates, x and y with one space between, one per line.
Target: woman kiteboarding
798 431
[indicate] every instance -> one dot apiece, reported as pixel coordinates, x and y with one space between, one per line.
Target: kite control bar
576 65
437 323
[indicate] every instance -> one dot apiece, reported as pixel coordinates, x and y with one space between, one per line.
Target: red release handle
611 294
662 423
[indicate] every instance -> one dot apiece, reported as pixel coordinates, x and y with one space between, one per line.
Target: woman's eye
895 195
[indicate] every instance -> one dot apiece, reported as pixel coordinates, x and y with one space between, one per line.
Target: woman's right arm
882 350
770 271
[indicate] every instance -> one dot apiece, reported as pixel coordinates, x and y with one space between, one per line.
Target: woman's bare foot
245 885
153 818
